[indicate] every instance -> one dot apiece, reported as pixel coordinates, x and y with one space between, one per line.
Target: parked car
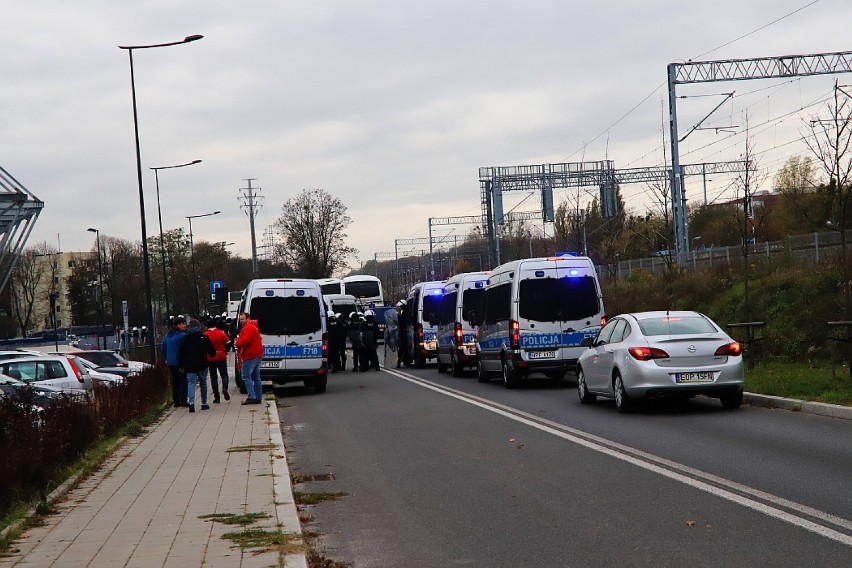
41 396
65 372
106 376
107 358
660 354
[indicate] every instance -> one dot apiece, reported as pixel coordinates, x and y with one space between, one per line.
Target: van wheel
456 368
510 377
481 375
320 385
583 390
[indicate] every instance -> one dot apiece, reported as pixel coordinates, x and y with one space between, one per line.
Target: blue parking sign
216 284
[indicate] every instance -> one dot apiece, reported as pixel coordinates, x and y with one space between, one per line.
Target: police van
536 313
290 316
421 317
461 302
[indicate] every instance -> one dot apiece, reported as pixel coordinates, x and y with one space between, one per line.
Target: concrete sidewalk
143 507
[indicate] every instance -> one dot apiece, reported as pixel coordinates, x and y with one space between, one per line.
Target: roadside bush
37 446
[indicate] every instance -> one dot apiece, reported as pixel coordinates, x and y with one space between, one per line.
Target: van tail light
603 321
514 335
459 334
76 370
420 333
325 345
647 353
733 349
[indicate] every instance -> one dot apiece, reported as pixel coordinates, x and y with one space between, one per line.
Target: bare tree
34 274
830 141
312 226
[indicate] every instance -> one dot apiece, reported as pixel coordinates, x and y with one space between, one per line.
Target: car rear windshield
676 325
286 316
558 299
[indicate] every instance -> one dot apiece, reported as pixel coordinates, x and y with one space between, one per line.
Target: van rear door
289 318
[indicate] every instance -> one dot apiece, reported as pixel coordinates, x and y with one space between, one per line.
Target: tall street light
192 257
160 218
146 265
100 281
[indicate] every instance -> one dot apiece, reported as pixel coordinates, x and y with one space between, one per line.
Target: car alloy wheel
583 390
622 401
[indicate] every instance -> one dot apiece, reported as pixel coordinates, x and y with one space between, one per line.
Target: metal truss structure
19 209
545 177
733 70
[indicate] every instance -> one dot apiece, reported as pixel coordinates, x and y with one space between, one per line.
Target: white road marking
667 468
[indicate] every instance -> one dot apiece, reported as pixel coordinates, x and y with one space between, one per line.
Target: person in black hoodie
192 358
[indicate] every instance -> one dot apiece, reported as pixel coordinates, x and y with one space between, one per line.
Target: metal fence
811 248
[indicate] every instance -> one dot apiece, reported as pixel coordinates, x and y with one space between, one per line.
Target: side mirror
587 342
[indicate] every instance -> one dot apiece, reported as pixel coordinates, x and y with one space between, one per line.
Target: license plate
702 377
269 364
541 354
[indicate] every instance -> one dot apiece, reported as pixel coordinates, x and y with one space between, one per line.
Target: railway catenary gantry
494 181
733 70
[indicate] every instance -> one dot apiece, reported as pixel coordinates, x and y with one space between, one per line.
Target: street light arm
192 163
187 39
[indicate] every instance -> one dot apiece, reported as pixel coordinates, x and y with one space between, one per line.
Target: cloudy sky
392 106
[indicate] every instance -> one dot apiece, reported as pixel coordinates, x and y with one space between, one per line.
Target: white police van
536 313
290 315
421 316
461 304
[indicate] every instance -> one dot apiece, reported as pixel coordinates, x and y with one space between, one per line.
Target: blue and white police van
421 316
290 315
535 314
462 302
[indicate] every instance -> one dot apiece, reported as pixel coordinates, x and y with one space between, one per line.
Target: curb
795 405
282 488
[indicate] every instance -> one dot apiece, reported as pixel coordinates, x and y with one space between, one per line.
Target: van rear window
473 300
558 299
363 289
431 307
286 316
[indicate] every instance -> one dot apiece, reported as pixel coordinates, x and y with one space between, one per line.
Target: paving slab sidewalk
143 507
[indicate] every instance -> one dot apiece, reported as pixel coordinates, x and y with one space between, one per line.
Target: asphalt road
439 471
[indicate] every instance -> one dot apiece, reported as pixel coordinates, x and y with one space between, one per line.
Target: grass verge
812 381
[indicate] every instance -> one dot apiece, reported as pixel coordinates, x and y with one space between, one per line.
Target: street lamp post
192 257
100 281
146 265
160 219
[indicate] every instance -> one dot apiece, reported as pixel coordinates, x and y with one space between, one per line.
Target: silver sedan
660 354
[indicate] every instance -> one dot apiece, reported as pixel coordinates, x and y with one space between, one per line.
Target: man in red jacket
218 363
250 348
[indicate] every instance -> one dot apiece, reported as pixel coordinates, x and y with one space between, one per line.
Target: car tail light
76 370
459 334
514 335
733 349
647 353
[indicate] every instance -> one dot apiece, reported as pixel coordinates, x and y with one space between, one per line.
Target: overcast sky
392 106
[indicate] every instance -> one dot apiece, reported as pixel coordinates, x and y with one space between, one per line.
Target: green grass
812 381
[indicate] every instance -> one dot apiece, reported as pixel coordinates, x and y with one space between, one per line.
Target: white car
99 376
677 354
65 372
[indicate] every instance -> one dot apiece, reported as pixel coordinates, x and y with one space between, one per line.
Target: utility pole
249 204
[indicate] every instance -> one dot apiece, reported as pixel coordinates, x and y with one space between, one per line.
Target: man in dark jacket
371 335
192 357
336 342
170 347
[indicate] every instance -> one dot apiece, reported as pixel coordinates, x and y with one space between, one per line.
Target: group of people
195 349
362 331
